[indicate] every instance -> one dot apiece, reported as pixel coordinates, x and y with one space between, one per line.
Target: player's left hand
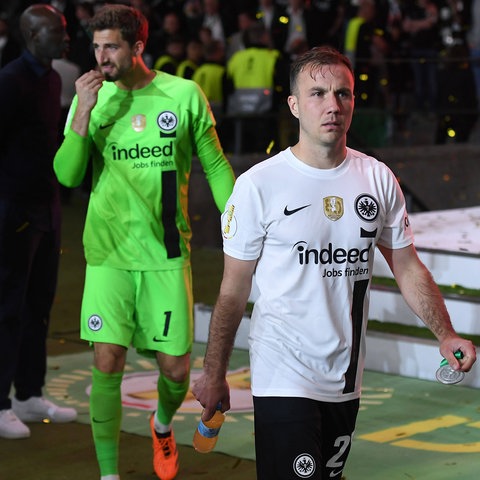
449 346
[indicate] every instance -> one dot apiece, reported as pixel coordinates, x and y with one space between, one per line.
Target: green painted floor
406 429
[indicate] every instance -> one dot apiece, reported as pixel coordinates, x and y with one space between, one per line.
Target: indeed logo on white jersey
330 255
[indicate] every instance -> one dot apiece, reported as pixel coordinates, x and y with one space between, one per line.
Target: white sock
160 427
110 477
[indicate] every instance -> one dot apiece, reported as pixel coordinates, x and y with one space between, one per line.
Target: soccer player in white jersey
306 222
141 129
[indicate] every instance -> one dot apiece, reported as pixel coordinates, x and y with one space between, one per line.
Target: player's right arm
211 387
71 160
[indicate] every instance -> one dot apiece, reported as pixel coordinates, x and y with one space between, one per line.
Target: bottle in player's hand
206 433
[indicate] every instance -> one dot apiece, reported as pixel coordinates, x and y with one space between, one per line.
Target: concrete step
448 243
388 305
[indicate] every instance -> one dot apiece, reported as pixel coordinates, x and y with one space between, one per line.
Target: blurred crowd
412 58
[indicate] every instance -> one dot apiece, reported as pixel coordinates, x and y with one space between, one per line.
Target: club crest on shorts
167 120
304 465
366 207
333 207
95 323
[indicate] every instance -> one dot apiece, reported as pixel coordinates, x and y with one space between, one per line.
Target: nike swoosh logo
295 210
106 125
95 420
155 339
334 473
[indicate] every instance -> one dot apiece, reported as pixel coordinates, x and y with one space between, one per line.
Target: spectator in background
205 36
400 76
258 72
11 10
81 50
193 13
274 18
193 59
420 22
213 19
235 42
297 25
325 22
366 48
144 6
172 25
67 8
174 53
29 220
297 48
256 66
210 75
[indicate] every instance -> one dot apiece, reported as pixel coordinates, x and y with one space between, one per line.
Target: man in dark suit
29 220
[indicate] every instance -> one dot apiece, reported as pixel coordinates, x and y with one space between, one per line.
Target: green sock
170 397
106 418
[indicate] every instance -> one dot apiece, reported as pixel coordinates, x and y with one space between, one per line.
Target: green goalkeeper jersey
141 144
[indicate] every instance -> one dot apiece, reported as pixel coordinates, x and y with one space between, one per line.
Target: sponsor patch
333 207
139 122
229 223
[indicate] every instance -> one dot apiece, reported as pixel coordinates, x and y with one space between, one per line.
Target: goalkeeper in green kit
140 129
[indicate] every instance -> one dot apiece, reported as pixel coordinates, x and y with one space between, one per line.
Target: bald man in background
29 220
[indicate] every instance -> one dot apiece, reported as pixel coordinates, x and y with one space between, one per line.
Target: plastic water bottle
206 433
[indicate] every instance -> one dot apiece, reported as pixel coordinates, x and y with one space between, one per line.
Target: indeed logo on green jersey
138 153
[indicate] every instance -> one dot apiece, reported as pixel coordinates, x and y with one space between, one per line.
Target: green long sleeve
71 160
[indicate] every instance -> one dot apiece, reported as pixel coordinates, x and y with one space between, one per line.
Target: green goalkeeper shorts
149 310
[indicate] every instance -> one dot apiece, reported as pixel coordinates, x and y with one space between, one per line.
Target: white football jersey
314 234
